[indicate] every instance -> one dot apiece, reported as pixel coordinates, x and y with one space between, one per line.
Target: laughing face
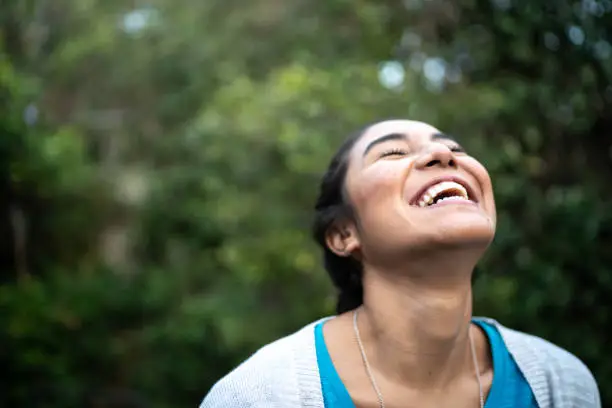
413 189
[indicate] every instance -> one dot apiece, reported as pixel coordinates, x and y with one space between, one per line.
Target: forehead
416 131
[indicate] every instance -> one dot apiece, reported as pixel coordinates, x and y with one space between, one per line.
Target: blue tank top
508 390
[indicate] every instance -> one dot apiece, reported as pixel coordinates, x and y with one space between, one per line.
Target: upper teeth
458 192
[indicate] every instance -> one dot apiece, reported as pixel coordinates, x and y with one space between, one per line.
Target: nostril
436 162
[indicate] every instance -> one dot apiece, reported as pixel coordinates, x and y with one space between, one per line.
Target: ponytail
332 206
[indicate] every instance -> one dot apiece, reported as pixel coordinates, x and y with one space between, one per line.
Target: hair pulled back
332 206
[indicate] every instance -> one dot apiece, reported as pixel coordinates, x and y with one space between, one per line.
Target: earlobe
342 240
352 246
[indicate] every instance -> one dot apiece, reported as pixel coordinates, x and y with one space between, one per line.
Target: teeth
459 193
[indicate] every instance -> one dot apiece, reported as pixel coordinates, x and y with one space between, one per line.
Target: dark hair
332 205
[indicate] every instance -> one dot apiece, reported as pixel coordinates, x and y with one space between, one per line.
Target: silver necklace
381 401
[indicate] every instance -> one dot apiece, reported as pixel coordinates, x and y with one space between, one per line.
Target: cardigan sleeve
267 379
557 377
227 393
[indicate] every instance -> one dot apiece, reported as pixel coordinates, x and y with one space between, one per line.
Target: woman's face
414 188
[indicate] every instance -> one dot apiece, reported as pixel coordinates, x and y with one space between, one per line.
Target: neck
415 322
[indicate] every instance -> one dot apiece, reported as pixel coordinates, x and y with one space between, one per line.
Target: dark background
159 161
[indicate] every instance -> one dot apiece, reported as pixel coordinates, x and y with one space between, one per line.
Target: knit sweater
285 374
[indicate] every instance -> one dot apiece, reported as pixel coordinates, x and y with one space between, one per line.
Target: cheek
486 186
481 174
375 185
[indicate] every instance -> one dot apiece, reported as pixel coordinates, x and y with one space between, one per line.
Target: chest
356 391
346 384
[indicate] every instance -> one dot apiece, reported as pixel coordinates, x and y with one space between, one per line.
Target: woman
403 216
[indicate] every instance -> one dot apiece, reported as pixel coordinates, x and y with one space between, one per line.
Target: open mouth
444 191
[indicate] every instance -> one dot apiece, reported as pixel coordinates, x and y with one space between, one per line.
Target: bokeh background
159 161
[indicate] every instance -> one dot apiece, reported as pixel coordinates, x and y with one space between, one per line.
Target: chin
462 233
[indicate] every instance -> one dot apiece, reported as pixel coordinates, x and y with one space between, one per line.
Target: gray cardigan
285 374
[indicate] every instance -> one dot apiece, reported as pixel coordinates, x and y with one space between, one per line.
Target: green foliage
155 213
77 338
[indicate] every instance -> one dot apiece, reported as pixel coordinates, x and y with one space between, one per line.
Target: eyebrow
401 136
443 136
385 138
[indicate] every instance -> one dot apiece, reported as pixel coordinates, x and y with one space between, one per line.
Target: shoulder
269 377
554 374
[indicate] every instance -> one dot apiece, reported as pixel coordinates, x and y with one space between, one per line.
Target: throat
415 335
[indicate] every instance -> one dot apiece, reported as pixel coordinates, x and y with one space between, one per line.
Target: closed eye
393 152
457 149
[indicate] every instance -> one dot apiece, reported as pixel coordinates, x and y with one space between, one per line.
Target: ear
342 239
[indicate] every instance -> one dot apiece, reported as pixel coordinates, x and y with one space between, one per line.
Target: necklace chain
381 401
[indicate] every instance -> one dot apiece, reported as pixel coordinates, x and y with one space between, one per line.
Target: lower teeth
452 198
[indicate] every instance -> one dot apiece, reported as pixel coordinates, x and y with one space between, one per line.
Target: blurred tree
159 162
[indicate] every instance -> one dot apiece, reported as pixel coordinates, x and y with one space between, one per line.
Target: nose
434 155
